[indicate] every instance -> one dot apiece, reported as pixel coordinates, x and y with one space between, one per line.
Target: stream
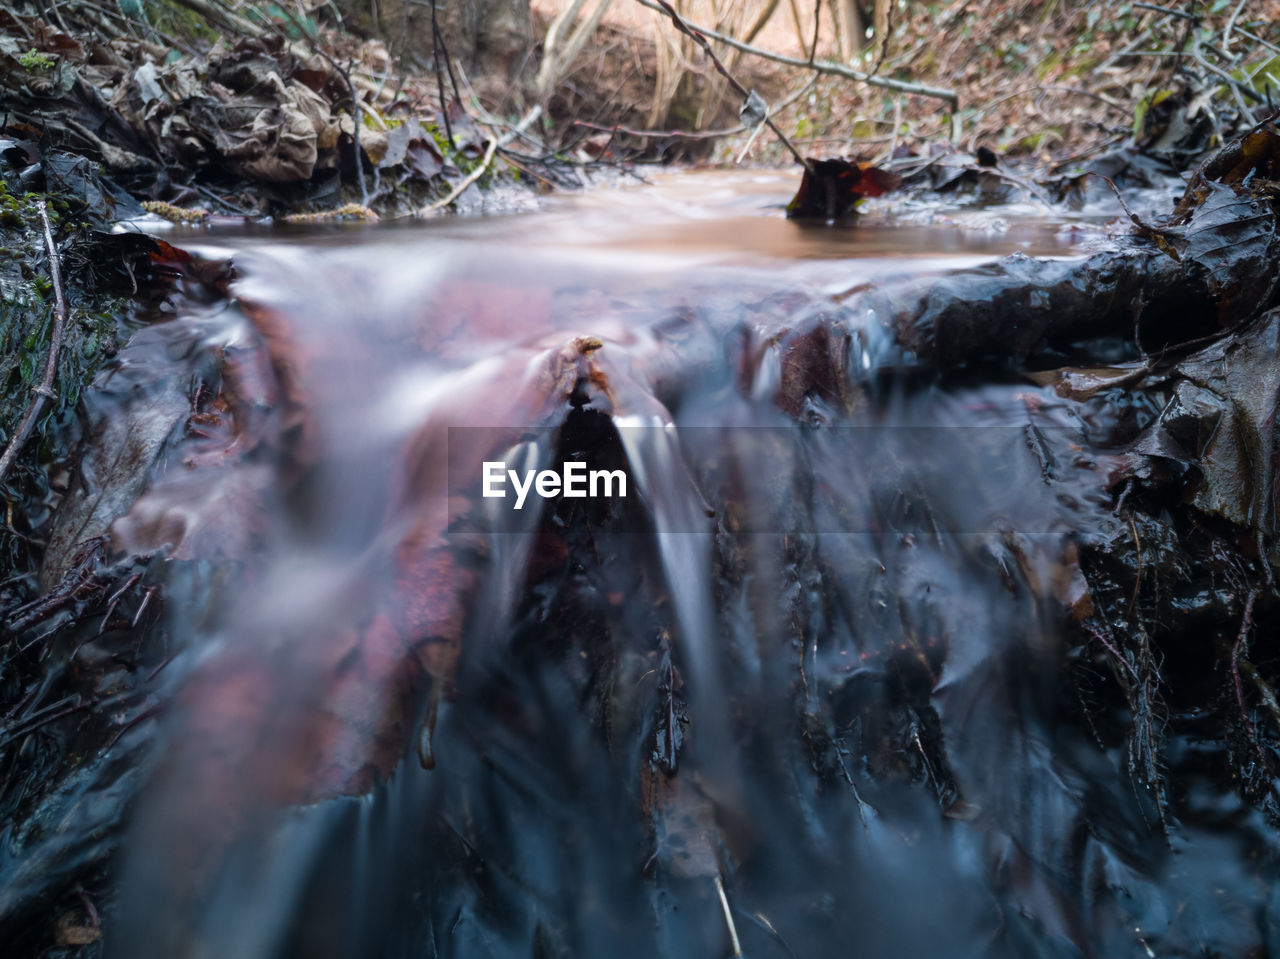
810 677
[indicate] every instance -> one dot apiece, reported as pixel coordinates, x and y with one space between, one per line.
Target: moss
176 214
34 61
348 211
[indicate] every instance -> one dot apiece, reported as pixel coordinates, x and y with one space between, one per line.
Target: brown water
802 692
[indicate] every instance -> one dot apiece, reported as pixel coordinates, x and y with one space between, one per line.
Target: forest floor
236 111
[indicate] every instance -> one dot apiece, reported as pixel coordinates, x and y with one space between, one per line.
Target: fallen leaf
831 189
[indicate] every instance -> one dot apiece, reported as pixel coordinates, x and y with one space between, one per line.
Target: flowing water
810 688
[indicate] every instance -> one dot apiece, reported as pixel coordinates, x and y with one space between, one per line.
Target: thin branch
1187 26
690 135
484 118
1237 88
766 14
1258 40
662 134
1115 653
1195 18
43 392
696 35
820 66
485 162
1090 151
817 21
884 41
1126 51
1231 22
59 710
357 116
449 68
795 19
728 918
437 42
470 178
1227 78
1246 624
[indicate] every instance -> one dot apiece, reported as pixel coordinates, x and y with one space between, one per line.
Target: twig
663 134
691 135
1026 186
604 106
728 918
449 65
1115 653
1266 693
1194 17
697 37
821 66
1258 40
486 160
1246 624
884 41
357 116
470 178
765 15
1236 85
897 127
1125 51
43 718
1187 27
44 391
1231 22
817 20
795 19
1137 580
1137 221
436 43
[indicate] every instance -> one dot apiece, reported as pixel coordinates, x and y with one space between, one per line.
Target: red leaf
832 188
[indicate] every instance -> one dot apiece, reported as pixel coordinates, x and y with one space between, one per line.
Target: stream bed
874 627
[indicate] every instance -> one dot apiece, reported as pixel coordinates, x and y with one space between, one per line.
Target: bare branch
697 37
692 135
1258 40
821 66
1226 32
1194 18
766 14
357 120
